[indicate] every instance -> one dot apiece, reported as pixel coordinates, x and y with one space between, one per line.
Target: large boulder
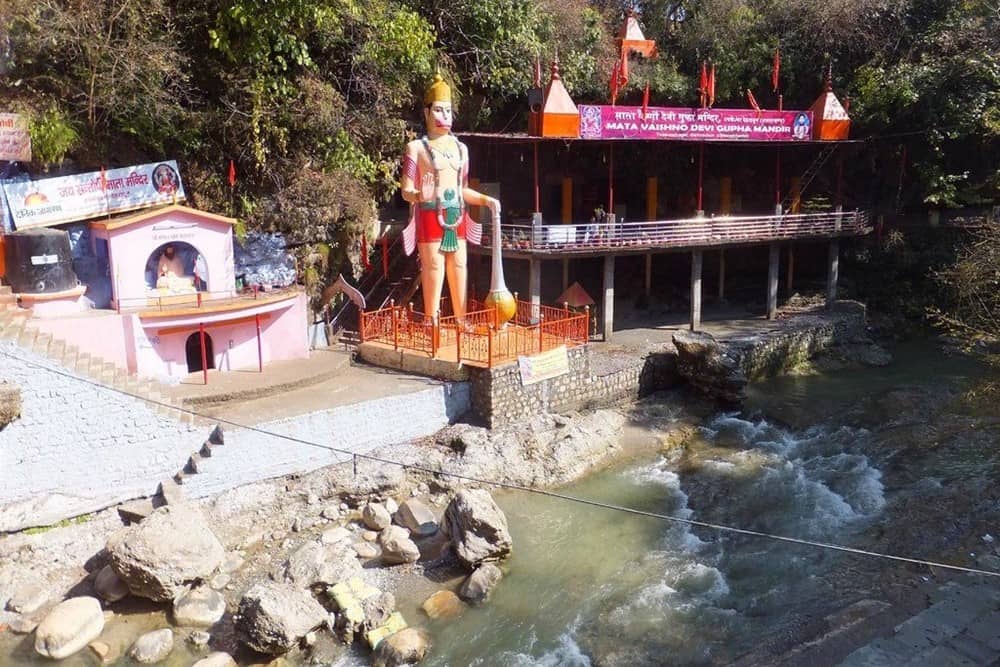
315 563
152 647
397 547
376 516
478 586
69 627
417 517
708 368
159 557
274 616
478 528
406 647
443 604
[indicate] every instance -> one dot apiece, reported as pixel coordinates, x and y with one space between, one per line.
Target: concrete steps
16 326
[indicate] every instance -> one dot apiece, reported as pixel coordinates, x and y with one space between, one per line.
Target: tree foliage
314 99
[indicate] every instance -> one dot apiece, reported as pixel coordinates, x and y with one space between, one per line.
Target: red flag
365 262
753 102
615 73
623 71
104 180
711 85
232 173
703 84
775 69
645 100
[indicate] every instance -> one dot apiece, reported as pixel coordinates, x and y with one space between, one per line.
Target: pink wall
101 335
131 246
283 336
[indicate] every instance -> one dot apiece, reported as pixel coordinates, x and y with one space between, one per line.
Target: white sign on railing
53 201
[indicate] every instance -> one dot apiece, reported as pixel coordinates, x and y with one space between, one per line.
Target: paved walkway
961 627
328 379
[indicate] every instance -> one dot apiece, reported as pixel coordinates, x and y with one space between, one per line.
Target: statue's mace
499 300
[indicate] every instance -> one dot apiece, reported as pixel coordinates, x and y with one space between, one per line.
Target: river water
878 459
836 458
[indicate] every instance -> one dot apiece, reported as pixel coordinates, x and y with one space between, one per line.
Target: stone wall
775 353
597 380
249 456
499 398
79 447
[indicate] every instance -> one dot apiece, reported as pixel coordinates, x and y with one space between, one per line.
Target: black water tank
39 261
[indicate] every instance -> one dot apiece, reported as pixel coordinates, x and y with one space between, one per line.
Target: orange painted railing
477 339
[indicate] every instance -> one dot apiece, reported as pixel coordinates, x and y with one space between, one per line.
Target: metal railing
477 339
683 233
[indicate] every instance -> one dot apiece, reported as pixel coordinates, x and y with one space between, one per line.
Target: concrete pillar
567 200
652 182
565 274
726 195
722 275
649 273
832 268
774 257
535 282
608 302
696 258
791 268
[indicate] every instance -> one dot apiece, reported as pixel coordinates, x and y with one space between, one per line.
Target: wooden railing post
586 314
361 327
458 342
541 336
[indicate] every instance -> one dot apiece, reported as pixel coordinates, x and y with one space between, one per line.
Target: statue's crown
439 91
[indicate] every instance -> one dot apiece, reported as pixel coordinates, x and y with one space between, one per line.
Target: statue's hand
427 188
494 206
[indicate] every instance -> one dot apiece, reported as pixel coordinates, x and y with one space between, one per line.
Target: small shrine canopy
575 297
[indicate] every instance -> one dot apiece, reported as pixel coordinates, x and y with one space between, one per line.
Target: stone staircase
171 491
16 326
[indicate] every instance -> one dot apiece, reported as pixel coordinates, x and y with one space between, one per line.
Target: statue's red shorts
429 230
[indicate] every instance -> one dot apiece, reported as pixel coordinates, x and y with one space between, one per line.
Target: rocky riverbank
222 567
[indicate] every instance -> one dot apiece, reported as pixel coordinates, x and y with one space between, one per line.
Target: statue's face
438 117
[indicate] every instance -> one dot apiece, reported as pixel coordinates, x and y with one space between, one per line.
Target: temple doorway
192 349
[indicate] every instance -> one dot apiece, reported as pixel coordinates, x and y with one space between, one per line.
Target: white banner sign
52 201
543 366
15 140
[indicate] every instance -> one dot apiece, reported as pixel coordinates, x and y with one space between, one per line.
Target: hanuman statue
435 182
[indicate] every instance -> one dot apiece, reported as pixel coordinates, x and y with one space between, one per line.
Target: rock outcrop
316 563
274 616
709 368
160 557
478 528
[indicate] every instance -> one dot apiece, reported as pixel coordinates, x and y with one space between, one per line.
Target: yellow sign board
543 366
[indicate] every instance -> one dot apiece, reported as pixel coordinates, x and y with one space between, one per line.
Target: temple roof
134 219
